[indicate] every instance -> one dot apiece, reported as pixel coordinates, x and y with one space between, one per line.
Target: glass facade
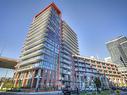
39 57
69 47
50 57
117 50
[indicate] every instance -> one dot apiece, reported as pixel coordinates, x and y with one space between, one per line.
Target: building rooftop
95 59
50 5
116 39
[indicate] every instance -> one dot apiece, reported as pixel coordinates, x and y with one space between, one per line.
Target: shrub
94 93
117 92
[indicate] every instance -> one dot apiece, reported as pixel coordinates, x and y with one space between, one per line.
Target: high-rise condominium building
39 60
69 46
45 59
118 51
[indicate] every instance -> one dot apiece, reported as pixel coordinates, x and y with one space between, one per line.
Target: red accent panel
42 80
33 74
16 79
51 5
58 67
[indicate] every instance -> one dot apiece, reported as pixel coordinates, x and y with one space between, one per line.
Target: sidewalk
32 93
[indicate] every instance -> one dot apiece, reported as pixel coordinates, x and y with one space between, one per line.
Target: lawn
106 92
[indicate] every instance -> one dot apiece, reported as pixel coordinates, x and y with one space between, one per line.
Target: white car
90 88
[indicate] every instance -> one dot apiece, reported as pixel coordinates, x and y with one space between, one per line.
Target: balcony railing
32 54
29 67
33 49
66 72
66 61
33 60
66 66
33 44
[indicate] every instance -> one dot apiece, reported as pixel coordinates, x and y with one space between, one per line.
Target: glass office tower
39 60
118 51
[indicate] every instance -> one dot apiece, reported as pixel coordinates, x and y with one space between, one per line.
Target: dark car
66 90
14 90
113 88
124 89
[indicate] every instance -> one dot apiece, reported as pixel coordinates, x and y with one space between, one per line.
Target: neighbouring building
7 66
87 69
124 47
118 51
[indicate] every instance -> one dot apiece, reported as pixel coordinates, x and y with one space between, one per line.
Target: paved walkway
121 93
32 93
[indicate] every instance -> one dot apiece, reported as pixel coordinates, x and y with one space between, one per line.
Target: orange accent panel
51 5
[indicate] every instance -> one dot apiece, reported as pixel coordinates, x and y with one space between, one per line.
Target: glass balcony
65 72
33 49
66 66
66 57
40 35
33 44
32 54
32 60
66 61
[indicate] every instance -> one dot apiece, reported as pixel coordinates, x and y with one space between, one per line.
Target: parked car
123 89
14 90
66 90
87 89
90 88
113 88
